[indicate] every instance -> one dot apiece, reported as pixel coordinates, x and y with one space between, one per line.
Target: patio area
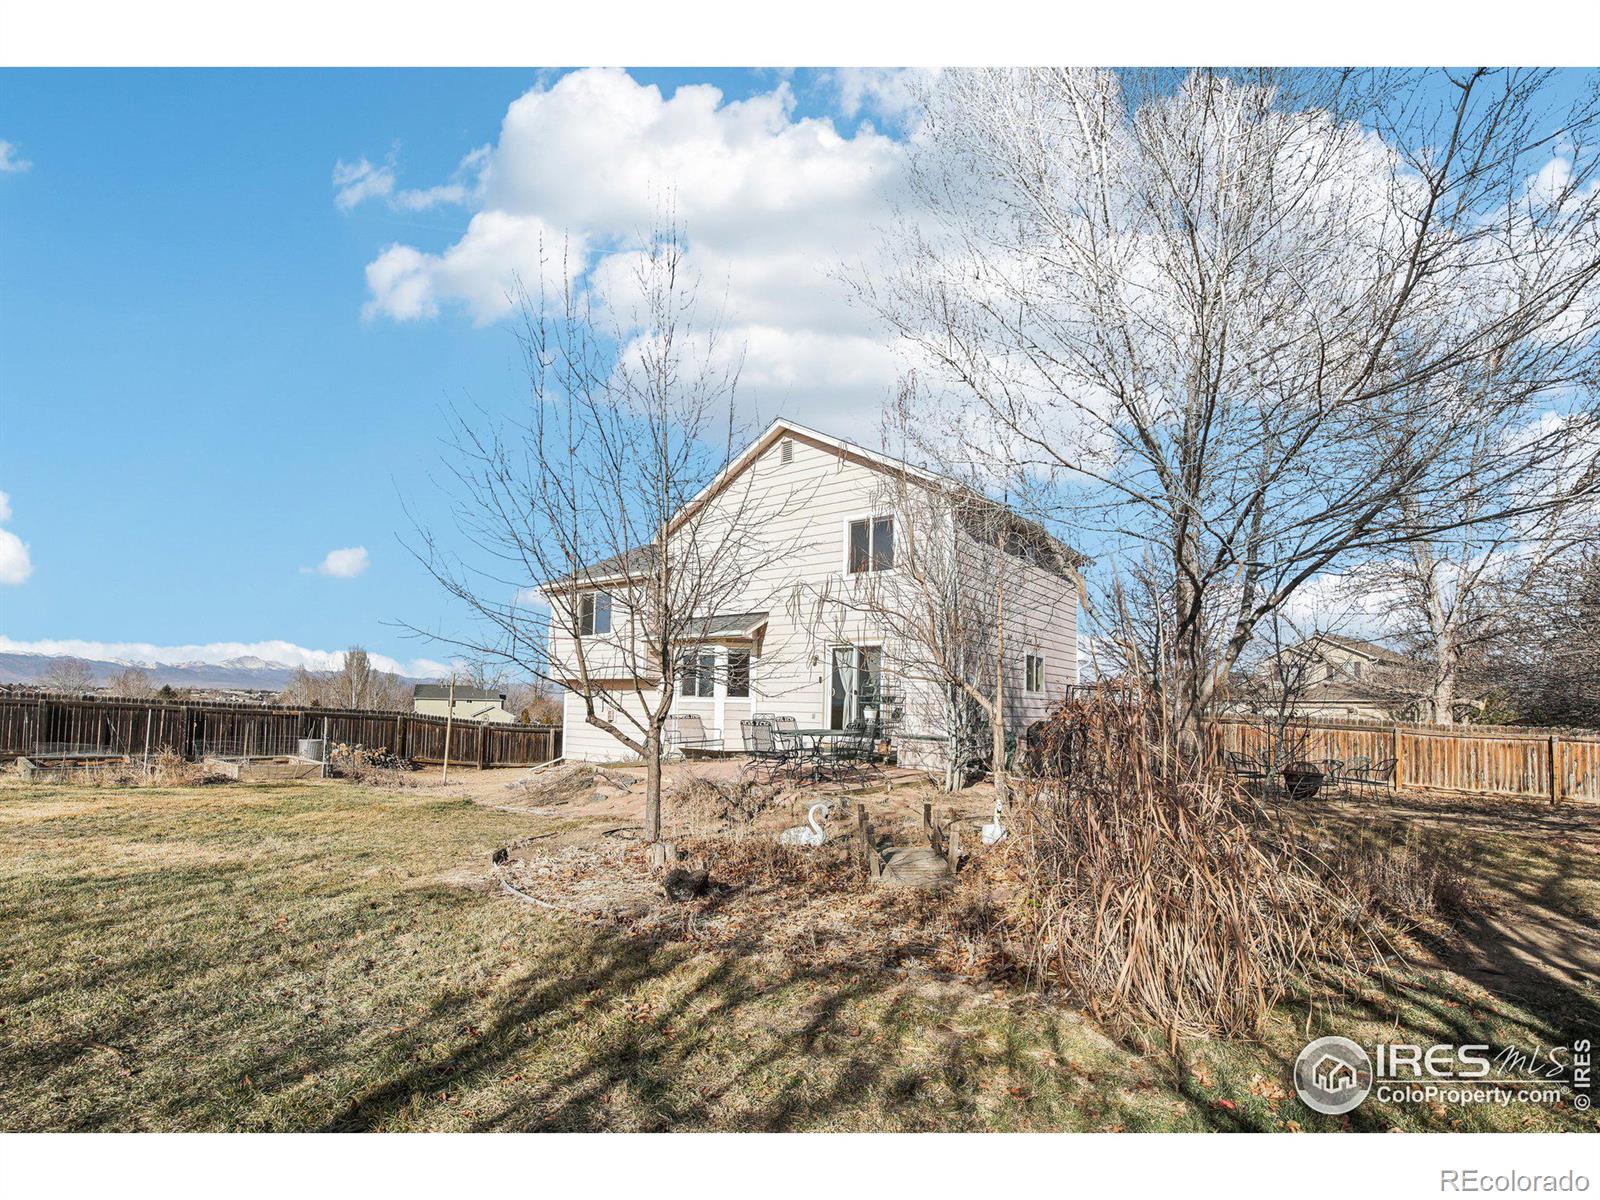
778 750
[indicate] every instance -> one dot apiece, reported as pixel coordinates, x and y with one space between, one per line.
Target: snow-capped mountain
246 671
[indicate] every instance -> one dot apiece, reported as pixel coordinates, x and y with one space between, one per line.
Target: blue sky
203 394
233 305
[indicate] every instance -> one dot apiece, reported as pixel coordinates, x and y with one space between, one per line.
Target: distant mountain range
247 672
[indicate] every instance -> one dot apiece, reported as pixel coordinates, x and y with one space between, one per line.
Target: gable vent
786 451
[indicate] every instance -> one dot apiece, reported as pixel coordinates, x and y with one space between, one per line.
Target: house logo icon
1332 1075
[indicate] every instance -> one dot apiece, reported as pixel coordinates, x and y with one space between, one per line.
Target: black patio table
813 753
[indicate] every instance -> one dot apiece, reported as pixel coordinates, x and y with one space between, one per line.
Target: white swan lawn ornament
809 834
995 830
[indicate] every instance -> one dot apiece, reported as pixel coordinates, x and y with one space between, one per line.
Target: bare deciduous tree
354 681
972 584
1240 317
357 684
598 563
68 675
134 683
305 689
535 703
1546 662
1450 595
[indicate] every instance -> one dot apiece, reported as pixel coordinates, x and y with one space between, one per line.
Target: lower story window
738 674
1035 681
698 674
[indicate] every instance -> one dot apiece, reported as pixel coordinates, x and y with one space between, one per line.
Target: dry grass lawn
310 956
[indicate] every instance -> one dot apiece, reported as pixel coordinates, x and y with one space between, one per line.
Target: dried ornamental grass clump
705 806
1149 890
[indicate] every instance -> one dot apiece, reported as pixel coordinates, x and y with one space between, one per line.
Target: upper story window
871 545
594 614
1035 680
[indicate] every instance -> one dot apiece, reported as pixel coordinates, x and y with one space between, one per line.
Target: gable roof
621 565
1371 650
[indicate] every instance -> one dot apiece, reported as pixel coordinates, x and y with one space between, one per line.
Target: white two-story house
839 617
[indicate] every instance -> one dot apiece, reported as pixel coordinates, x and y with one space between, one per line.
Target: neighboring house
1333 677
471 704
805 636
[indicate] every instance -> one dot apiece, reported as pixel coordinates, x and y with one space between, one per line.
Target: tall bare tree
134 683
1240 317
354 682
305 689
68 675
1546 661
603 528
1450 595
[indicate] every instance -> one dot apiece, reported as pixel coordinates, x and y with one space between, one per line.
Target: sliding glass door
854 683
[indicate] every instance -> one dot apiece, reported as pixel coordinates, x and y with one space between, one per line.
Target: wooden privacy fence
97 726
1500 760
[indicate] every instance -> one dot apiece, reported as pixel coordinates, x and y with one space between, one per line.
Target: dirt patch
1575 819
805 903
1526 925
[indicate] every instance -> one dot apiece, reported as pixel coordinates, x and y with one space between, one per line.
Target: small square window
594 614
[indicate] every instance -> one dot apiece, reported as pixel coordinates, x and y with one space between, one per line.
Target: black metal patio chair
850 754
767 752
1245 767
1366 774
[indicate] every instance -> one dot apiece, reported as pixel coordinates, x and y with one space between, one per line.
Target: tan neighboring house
1333 677
797 641
471 704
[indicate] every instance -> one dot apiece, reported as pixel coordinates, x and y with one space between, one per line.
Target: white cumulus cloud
772 205
360 180
357 182
10 160
15 563
889 93
344 563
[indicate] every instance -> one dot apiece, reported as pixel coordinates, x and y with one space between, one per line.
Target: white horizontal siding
802 509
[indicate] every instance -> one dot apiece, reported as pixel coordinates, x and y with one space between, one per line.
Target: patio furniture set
779 747
1305 778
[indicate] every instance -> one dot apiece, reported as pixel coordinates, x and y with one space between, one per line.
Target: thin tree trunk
1189 662
997 719
652 783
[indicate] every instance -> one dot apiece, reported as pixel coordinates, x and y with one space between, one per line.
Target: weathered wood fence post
1555 769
